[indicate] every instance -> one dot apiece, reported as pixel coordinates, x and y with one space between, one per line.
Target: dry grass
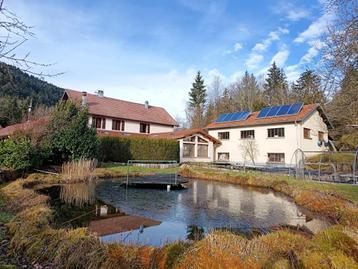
79 170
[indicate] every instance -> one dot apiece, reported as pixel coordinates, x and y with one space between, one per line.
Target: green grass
334 157
347 191
124 168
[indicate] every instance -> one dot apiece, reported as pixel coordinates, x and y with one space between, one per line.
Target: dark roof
252 120
116 108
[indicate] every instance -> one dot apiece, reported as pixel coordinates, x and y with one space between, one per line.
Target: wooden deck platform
157 182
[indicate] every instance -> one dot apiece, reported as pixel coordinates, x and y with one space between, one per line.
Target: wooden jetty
163 182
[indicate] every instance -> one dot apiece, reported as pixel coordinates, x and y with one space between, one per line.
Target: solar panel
277 111
263 112
295 108
283 110
273 111
227 117
242 115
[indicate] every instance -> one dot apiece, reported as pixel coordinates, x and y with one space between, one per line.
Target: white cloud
293 72
237 46
297 14
313 51
272 36
253 60
214 73
316 29
280 57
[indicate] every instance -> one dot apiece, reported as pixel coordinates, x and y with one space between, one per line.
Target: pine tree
197 100
308 89
276 86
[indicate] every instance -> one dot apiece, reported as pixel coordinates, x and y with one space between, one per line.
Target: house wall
315 123
292 140
197 159
133 126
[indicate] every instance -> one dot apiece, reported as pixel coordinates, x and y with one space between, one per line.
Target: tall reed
79 170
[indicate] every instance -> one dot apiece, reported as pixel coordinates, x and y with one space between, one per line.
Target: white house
270 136
109 115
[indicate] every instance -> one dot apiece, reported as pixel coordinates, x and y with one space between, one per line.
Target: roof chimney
146 104
100 93
84 99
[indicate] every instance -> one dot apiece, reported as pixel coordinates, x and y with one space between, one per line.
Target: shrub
69 135
122 149
19 154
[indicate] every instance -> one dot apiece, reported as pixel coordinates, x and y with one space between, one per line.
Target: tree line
206 103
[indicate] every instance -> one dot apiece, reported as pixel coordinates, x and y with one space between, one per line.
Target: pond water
155 217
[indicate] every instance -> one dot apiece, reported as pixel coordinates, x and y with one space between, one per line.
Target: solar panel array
277 111
242 115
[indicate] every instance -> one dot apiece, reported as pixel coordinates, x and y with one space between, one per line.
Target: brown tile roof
115 108
25 126
253 120
185 133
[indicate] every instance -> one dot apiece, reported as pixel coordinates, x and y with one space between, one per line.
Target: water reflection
148 216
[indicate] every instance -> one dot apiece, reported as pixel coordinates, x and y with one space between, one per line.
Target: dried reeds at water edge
79 170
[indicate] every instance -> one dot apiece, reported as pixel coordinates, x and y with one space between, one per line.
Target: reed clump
78 170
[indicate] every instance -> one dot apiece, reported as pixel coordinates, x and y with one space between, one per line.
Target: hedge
122 149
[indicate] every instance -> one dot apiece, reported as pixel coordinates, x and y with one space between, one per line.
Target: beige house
109 115
271 139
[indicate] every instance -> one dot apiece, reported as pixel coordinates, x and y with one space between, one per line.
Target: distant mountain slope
17 89
15 83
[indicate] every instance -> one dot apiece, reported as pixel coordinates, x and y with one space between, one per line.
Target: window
144 128
190 139
223 156
306 133
203 151
202 148
118 125
321 136
276 132
249 134
224 135
188 150
99 123
276 157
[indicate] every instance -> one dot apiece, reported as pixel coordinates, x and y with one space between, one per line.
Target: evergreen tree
276 86
308 89
197 100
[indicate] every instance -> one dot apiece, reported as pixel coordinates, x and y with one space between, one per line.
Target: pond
155 217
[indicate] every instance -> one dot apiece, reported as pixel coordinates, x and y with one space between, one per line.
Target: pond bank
33 236
314 196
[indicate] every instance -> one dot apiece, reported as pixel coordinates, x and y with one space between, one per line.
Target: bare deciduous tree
13 34
249 149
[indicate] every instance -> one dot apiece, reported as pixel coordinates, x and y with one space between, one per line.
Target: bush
69 136
122 149
18 153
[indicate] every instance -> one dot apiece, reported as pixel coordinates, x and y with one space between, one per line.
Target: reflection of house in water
103 210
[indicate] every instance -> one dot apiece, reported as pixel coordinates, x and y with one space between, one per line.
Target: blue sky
150 50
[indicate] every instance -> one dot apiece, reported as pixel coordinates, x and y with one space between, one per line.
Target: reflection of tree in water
194 232
79 194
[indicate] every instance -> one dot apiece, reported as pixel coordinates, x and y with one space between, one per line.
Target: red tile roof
253 120
25 126
115 108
